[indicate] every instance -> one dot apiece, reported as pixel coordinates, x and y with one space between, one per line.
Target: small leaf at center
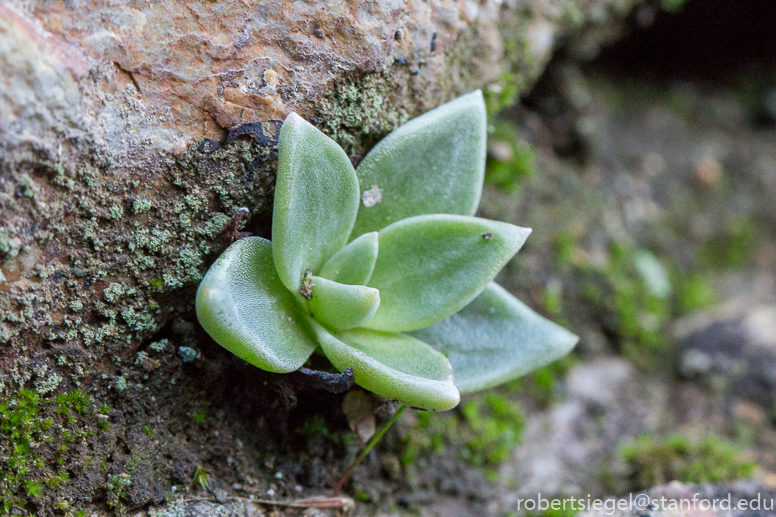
354 263
341 306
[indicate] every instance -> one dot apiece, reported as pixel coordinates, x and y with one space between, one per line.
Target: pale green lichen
158 346
116 212
113 292
140 206
48 384
121 383
141 358
213 226
356 113
188 354
9 245
141 322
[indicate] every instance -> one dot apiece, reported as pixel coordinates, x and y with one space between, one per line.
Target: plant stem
372 443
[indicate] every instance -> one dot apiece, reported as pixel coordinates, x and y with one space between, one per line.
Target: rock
565 449
358 407
144 137
221 495
734 343
203 509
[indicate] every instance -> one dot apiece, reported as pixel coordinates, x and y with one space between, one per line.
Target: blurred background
649 177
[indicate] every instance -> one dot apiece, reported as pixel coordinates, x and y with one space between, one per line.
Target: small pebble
220 495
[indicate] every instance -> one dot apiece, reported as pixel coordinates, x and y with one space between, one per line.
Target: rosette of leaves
383 268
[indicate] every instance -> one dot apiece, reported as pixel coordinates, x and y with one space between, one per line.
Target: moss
201 478
504 92
621 296
116 486
541 385
672 6
653 461
553 508
733 248
36 435
497 424
484 430
316 429
694 291
510 159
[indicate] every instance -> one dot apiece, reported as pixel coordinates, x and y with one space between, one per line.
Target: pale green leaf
396 366
495 339
433 164
245 308
654 273
431 266
354 263
341 306
316 200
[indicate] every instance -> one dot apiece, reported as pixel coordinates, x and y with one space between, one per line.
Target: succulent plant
383 268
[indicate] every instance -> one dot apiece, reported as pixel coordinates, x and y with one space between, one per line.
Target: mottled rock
565 449
130 133
734 344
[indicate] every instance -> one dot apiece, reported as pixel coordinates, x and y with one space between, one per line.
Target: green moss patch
654 461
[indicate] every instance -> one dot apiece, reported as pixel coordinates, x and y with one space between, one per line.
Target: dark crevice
705 41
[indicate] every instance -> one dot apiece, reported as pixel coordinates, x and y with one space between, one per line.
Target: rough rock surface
120 128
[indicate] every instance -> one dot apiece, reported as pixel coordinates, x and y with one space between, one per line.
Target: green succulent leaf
396 366
433 164
316 200
495 339
354 263
246 309
431 266
341 306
